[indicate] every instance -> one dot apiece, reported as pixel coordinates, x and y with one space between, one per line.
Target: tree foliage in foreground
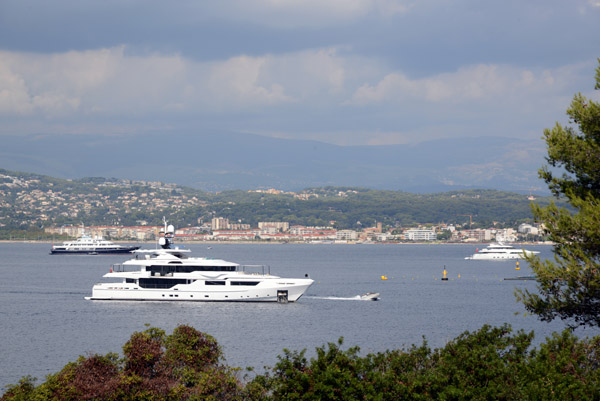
488 364
491 363
569 287
182 366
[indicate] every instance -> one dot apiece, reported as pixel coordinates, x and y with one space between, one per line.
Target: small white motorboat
370 296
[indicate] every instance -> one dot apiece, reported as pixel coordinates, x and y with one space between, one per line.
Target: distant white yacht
169 274
90 246
499 251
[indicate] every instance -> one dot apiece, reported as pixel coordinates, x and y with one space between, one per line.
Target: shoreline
292 242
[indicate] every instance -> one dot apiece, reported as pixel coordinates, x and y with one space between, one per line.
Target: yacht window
249 283
188 269
130 280
166 269
160 282
213 282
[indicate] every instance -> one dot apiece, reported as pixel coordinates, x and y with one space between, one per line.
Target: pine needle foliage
569 287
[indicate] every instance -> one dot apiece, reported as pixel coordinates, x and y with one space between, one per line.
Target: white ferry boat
499 251
91 246
169 274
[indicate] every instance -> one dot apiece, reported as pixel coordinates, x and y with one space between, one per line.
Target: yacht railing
121 268
256 269
248 269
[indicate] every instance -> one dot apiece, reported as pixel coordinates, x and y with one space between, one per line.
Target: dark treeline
366 207
492 363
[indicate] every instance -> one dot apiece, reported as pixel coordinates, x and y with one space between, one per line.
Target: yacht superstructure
169 274
500 251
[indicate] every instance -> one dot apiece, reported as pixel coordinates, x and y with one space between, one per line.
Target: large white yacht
90 246
169 274
499 251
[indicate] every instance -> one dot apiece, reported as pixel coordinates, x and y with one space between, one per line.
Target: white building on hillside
346 235
220 223
528 229
417 234
281 226
506 235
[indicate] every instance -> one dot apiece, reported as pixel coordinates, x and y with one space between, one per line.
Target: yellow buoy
517 266
384 277
445 274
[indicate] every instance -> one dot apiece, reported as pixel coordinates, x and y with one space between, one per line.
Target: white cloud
309 72
587 7
110 81
14 97
483 82
237 80
318 93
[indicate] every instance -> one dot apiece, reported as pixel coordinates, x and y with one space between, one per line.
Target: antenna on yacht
167 239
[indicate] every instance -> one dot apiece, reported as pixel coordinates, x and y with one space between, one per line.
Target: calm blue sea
45 321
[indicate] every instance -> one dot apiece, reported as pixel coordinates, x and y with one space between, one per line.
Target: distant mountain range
223 160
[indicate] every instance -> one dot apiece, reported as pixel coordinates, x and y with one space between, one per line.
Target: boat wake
354 298
44 292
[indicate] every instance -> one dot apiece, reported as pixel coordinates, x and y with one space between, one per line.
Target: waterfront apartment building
506 235
417 234
281 226
220 223
528 229
346 235
477 235
239 226
238 235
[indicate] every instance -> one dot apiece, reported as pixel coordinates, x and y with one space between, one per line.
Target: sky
345 72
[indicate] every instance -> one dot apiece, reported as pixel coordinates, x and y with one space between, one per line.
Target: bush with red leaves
182 366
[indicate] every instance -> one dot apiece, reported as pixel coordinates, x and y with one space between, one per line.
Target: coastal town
56 206
220 229
34 202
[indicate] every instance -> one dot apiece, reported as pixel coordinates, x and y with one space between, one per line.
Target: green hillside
29 202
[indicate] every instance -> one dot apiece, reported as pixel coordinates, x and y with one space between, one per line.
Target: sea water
46 322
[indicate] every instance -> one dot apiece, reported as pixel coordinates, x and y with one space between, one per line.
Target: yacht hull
169 274
499 251
93 251
495 257
282 291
